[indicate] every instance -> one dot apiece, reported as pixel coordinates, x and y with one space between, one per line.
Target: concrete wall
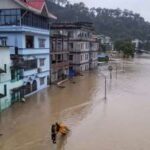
81 46
79 58
5 59
5 79
81 68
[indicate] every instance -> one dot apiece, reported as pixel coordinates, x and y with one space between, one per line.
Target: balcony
60 51
3 70
34 51
60 65
30 64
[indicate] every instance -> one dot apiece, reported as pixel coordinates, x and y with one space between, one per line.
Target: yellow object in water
63 129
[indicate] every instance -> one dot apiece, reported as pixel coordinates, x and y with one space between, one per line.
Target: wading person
53 133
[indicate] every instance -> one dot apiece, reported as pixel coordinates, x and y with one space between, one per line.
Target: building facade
137 44
59 57
106 43
82 50
94 50
25 26
11 85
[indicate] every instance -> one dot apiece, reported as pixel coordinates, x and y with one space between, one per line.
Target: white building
10 88
25 26
106 41
136 43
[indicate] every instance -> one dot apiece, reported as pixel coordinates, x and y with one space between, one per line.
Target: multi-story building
59 57
25 26
94 49
11 84
106 43
137 43
81 44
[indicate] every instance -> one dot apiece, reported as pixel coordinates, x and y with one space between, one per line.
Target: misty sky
139 6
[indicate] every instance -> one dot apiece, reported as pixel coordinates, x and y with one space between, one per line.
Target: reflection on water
119 123
62 141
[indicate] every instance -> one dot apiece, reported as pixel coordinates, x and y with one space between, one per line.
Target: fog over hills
116 23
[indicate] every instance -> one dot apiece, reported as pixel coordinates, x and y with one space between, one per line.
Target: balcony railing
19 63
59 51
59 65
26 51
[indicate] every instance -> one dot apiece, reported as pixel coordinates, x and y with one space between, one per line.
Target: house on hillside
137 43
25 26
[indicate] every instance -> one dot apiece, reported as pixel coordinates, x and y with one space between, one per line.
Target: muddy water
119 123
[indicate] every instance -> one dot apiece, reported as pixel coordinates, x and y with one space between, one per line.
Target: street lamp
116 70
123 65
110 68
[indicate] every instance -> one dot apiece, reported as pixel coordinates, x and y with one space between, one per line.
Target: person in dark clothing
53 133
57 126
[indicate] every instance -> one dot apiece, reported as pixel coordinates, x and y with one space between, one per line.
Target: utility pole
105 92
110 68
116 71
123 66
105 88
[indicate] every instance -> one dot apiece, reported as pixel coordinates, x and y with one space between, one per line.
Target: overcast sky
138 6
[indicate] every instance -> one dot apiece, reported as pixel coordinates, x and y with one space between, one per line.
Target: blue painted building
24 25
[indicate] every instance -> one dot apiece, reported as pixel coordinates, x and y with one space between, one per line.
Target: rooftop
36 6
73 25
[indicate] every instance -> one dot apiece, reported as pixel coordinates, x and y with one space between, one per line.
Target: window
31 19
59 46
87 45
29 41
3 41
42 61
65 45
30 64
70 34
16 75
59 58
42 43
71 57
86 56
71 45
81 58
9 16
82 45
42 80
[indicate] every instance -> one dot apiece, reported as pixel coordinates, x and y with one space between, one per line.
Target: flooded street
121 122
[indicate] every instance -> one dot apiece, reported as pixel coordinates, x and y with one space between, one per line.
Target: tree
126 47
116 23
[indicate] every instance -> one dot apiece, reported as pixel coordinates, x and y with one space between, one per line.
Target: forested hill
116 23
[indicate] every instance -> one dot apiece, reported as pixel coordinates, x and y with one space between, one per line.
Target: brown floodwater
122 122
